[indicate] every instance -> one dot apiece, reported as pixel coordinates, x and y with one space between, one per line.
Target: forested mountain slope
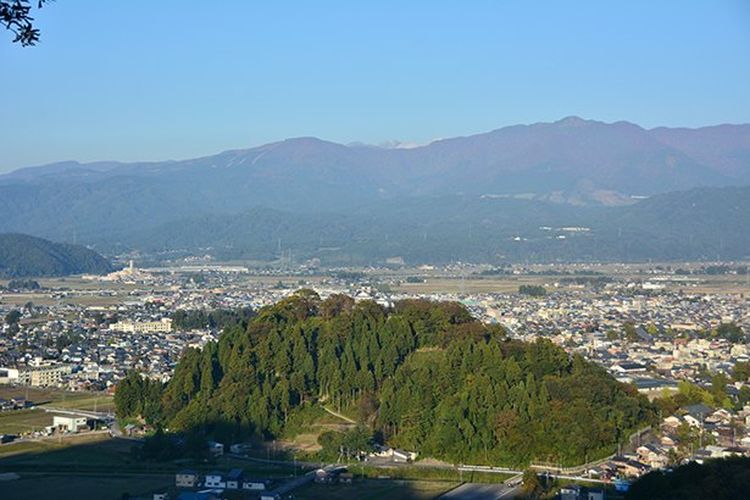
706 223
22 255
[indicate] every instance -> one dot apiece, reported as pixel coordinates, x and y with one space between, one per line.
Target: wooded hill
425 376
701 224
22 255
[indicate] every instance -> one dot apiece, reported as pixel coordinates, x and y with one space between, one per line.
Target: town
668 332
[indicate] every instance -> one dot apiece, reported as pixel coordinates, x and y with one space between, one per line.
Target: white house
570 492
215 480
255 484
404 456
382 451
186 479
68 423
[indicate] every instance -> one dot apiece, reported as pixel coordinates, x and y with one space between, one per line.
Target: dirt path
339 415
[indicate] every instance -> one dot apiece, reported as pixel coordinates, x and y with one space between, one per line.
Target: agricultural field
19 422
366 489
24 421
510 284
469 285
89 401
419 472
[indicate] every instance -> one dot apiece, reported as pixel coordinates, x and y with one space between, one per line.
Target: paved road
76 412
293 484
479 491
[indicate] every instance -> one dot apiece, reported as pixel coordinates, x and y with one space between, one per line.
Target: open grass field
417 472
60 399
509 284
366 489
86 401
23 421
471 285
77 290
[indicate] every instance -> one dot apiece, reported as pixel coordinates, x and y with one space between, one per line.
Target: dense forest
532 290
22 255
694 225
421 375
215 318
22 284
720 479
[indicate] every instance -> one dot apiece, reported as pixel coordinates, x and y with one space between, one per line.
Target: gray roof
699 410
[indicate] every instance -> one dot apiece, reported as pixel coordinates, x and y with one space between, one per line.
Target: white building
44 376
163 325
8 375
215 480
69 423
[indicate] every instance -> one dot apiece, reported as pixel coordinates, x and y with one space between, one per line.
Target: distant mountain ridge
22 255
569 162
571 152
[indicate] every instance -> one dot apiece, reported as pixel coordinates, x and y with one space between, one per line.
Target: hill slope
426 375
23 255
572 160
698 224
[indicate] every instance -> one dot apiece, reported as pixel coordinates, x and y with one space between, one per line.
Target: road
293 484
479 491
79 413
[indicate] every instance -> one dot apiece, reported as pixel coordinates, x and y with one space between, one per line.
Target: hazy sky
144 79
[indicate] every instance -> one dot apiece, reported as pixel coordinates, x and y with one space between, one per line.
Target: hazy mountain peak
396 144
589 161
574 121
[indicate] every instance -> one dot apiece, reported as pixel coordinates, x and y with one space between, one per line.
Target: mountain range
570 172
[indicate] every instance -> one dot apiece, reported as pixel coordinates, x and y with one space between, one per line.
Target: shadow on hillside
109 468
83 467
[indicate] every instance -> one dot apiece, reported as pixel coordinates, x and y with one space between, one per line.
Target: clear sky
153 80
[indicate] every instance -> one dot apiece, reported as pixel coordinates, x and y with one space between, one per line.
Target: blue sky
153 80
